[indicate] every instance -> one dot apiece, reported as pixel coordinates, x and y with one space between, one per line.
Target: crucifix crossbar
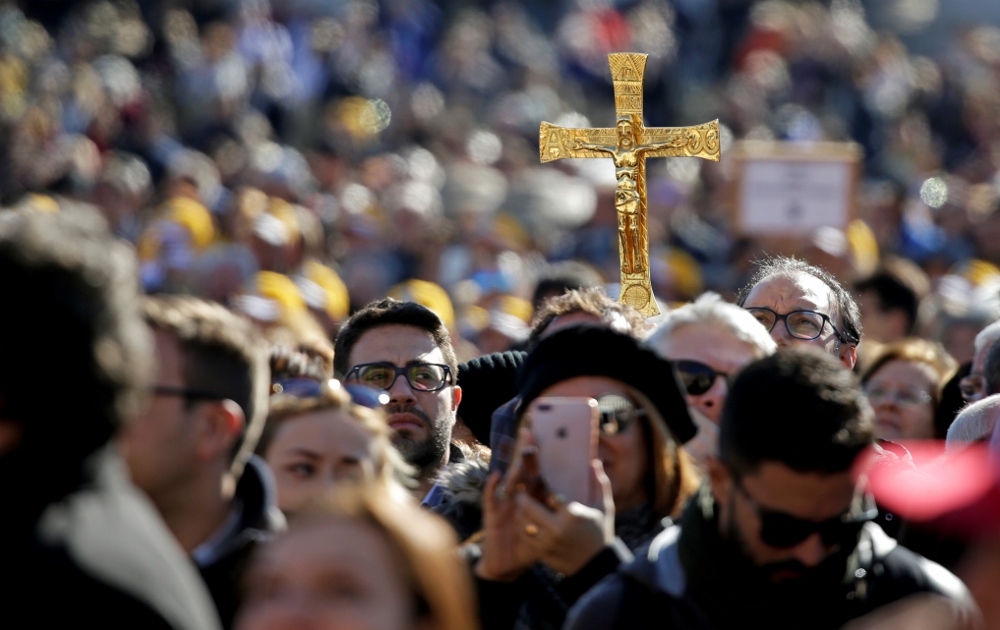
629 143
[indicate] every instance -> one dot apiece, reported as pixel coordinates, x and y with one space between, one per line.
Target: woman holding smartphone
540 551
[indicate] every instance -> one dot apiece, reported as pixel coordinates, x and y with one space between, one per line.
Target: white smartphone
565 431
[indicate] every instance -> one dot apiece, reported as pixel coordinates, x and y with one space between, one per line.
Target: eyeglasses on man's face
801 324
696 377
424 377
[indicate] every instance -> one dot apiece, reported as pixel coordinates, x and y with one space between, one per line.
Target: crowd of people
319 306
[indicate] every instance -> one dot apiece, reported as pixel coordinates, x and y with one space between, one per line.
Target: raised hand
568 535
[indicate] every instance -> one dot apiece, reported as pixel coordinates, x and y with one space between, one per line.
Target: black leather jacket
689 578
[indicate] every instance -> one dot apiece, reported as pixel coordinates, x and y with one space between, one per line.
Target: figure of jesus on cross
629 144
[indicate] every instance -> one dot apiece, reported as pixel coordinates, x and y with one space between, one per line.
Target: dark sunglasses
696 377
310 388
617 413
781 530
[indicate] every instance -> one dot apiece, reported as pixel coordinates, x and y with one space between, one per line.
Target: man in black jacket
779 538
190 450
82 547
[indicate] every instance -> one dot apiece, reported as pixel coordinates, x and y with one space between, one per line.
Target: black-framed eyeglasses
617 413
781 530
186 393
424 377
697 377
303 387
807 325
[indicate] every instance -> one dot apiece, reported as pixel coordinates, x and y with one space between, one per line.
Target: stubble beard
424 455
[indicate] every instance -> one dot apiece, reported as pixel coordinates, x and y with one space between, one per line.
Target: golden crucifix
629 144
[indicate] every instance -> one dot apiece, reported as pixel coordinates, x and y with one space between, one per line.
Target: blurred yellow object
428 294
509 232
336 300
185 212
280 288
513 305
37 202
195 217
976 271
285 212
863 247
680 272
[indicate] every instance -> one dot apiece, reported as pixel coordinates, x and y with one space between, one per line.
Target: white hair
987 336
710 309
974 423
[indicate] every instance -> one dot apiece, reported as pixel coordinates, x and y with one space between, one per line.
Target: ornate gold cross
629 144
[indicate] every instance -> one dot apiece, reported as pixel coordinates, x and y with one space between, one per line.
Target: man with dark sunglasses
709 341
801 304
405 349
780 536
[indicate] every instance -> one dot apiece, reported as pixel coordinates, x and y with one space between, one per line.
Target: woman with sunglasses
323 434
539 553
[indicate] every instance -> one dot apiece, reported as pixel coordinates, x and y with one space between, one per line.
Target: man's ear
848 355
456 397
224 423
719 478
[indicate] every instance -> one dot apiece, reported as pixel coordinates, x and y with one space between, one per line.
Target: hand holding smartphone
565 432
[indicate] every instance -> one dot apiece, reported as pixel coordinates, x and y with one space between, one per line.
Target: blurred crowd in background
301 157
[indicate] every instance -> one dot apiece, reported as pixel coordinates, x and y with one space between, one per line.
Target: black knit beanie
487 382
600 351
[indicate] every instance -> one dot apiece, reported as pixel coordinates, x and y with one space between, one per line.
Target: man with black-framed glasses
799 303
781 535
405 349
191 449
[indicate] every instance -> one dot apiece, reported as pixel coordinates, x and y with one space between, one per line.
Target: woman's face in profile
331 574
313 452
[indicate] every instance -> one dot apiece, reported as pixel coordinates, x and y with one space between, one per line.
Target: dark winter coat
86 548
259 520
691 579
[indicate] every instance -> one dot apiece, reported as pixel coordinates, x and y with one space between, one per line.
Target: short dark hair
593 301
772 266
385 312
222 353
799 408
76 355
898 285
562 277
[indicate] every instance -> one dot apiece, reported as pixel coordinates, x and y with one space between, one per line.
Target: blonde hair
390 467
426 544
